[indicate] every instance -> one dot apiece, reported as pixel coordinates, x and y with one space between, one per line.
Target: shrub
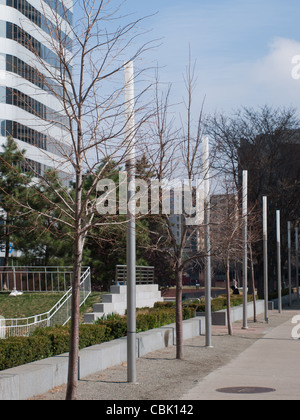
115 325
188 313
220 302
59 337
52 341
91 335
18 351
170 304
155 319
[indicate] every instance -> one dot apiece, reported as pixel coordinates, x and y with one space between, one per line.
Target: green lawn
30 304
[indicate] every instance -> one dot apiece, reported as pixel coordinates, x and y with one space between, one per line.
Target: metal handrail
36 278
59 314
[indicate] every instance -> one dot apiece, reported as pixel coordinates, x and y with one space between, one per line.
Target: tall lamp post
265 241
131 223
205 167
279 287
245 257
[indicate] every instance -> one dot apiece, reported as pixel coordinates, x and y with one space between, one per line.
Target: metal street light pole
245 258
265 241
289 262
278 260
131 223
205 167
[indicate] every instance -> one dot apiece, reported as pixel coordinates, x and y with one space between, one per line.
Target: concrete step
103 307
118 289
91 317
114 298
116 301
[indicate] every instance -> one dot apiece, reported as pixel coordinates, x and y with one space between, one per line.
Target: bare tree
262 129
265 142
175 153
227 244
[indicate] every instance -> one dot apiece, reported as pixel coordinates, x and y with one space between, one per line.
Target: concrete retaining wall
285 300
220 317
35 378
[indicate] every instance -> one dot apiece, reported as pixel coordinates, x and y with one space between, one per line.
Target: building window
61 9
17 34
34 15
19 67
14 97
40 20
35 138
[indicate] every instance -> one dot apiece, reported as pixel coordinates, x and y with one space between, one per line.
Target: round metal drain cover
245 390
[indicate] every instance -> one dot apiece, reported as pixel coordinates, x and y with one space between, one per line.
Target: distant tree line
266 143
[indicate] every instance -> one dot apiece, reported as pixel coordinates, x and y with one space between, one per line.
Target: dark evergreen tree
14 180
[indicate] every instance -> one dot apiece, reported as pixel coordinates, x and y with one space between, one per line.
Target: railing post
14 278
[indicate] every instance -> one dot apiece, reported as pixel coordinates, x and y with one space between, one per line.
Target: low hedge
47 342
156 317
220 303
16 351
274 295
52 341
89 335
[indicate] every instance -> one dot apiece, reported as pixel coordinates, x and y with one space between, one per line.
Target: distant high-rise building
31 110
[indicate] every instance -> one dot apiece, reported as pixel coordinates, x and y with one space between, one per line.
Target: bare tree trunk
179 332
74 333
75 322
253 284
72 384
228 297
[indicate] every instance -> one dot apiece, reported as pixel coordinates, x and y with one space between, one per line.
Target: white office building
29 111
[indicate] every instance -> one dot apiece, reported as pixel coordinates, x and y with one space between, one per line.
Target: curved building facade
32 33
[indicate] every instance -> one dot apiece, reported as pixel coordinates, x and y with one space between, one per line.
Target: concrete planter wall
285 300
35 378
25 381
220 317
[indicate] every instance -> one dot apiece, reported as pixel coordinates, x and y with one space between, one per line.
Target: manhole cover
245 390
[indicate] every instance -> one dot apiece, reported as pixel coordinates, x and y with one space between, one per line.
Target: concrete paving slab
271 362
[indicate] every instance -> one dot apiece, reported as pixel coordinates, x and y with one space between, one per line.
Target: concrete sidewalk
271 363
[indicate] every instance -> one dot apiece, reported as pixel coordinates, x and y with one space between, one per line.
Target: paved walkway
264 356
268 370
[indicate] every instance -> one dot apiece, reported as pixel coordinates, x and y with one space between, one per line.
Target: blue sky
243 49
